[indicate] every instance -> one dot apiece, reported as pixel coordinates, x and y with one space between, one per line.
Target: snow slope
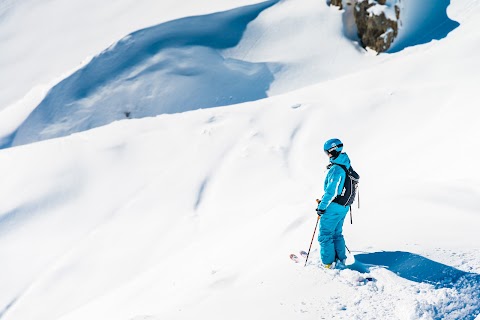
145 73
194 214
172 67
168 61
43 42
48 40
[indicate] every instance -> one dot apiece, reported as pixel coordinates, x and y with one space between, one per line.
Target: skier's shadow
464 287
417 268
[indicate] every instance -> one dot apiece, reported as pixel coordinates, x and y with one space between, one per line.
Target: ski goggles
328 151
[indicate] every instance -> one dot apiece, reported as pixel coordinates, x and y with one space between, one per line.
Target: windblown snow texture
174 67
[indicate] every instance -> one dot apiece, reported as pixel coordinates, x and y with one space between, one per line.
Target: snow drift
169 68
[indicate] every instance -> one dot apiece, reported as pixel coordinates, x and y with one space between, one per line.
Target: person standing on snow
332 243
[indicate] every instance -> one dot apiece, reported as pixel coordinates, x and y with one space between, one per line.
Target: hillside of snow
209 61
194 212
48 41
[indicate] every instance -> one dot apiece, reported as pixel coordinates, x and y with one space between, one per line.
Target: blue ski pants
332 243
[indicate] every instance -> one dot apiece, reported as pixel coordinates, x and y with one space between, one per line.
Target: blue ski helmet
333 147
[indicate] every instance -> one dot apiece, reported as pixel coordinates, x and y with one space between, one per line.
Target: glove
320 211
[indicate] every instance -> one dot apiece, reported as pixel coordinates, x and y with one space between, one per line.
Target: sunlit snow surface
182 65
172 67
194 214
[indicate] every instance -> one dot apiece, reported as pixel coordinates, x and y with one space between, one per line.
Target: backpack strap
342 166
346 174
330 165
349 171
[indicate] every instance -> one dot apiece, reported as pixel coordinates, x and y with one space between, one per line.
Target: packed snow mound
173 67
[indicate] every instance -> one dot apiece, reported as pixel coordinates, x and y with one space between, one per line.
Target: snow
194 212
146 72
49 40
388 9
422 22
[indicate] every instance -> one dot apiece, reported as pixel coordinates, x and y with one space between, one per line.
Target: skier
332 243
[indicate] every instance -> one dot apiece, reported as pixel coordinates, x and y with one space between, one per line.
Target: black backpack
350 186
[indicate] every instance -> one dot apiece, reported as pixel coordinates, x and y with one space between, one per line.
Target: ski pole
358 200
314 231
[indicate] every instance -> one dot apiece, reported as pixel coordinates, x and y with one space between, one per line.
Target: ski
295 258
298 259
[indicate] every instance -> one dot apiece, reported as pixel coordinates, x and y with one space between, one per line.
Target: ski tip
294 258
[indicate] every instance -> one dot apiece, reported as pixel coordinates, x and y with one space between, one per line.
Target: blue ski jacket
334 180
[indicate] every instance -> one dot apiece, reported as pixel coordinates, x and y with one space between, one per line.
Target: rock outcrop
376 28
377 21
337 3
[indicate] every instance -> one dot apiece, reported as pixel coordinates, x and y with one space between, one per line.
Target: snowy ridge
67 34
194 214
146 73
133 78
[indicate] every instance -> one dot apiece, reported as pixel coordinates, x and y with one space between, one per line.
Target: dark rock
375 31
337 3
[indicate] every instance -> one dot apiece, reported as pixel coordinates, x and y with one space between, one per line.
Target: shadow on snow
465 298
427 20
173 67
414 268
